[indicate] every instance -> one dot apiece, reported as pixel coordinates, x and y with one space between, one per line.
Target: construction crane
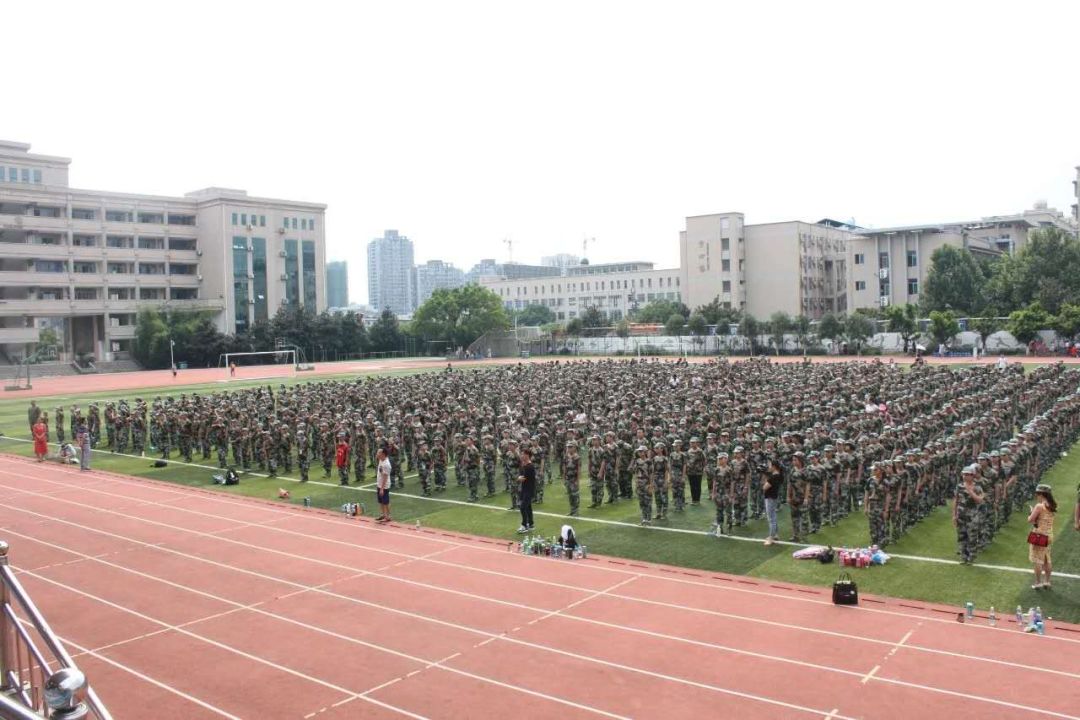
585 247
509 247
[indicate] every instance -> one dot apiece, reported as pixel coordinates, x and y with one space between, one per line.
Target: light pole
172 361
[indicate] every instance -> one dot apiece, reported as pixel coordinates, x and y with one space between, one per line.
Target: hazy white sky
461 123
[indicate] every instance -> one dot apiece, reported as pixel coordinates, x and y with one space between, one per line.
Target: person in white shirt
382 486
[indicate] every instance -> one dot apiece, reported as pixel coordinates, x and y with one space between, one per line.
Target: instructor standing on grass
527 478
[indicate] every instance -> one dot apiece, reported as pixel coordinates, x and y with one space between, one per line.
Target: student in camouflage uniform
596 471
967 501
721 490
625 451
740 487
423 467
695 468
487 461
643 483
303 460
470 460
661 480
875 504
571 470
438 463
798 494
59 425
110 426
677 461
393 452
610 474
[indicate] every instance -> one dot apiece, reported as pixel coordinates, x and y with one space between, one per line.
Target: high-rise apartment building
83 262
337 284
795 267
436 275
491 270
390 273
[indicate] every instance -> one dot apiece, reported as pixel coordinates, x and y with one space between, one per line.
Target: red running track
185 603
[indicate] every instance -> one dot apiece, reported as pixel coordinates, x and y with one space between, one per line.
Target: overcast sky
462 123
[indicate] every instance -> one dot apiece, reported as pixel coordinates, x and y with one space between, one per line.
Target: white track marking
293 513
444 623
870 675
558 651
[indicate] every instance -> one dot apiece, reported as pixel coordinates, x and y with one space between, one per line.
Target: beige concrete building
613 288
888 266
83 262
794 267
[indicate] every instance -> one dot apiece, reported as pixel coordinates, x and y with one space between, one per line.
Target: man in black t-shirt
527 478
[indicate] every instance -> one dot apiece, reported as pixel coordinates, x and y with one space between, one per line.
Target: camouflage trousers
798 523
626 484
303 464
343 474
358 466
739 506
425 483
596 489
815 508
138 441
573 493
440 477
222 455
644 499
968 533
757 500
472 478
660 497
489 478
876 519
678 494
723 512
110 436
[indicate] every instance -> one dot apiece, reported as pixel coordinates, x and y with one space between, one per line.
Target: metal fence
35 682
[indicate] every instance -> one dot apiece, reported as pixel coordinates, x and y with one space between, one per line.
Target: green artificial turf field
613 530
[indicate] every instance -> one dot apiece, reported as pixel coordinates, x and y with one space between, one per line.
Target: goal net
262 357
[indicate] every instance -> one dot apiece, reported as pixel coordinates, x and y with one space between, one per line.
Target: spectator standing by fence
41 438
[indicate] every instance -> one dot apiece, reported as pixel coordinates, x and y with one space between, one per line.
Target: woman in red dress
40 432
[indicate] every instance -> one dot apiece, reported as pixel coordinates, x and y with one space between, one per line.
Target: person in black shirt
527 478
771 480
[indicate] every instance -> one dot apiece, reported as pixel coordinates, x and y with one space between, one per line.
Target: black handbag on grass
844 591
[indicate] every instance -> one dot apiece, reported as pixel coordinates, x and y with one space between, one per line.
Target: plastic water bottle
1019 618
969 609
1037 618
993 617
1039 628
418 524
584 551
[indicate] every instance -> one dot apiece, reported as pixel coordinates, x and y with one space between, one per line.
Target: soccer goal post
261 357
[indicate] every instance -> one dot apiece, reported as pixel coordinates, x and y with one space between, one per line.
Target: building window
725 265
118 216
26 175
294 223
235 218
258 268
37 177
181 219
292 273
308 258
241 312
725 244
262 221
860 258
727 286
311 224
83 214
152 218
860 284
243 218
912 258
883 260
912 286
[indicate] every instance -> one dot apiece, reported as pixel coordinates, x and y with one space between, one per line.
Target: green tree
1025 324
1067 321
574 328
150 346
857 329
903 320
830 327
1047 271
593 323
534 315
750 329
716 314
385 333
674 324
985 327
801 327
779 326
696 324
955 281
943 326
658 311
459 316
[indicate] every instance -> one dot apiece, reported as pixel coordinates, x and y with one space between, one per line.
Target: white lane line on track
870 675
300 589
436 621
293 513
539 646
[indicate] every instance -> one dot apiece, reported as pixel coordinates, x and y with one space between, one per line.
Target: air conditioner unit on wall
884 300
284 276
281 231
281 253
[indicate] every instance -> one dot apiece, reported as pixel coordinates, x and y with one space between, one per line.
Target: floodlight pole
172 361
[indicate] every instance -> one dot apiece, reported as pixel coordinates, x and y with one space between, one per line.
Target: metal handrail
26 674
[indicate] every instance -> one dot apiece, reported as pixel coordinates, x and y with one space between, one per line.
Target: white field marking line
445 623
870 675
573 587
220 645
832 714
300 589
591 659
157 683
908 635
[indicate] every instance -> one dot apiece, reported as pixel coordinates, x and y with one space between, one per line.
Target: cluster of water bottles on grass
553 548
1031 621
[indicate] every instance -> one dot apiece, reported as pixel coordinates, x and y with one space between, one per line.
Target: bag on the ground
1038 539
827 557
844 591
160 463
